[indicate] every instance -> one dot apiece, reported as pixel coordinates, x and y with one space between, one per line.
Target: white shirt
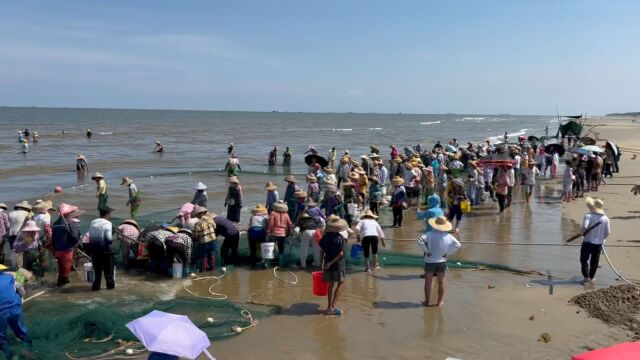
369 227
518 160
435 244
100 232
530 175
599 234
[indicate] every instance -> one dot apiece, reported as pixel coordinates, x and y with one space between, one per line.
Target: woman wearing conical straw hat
233 201
437 244
102 195
272 195
257 233
369 233
398 200
595 229
135 199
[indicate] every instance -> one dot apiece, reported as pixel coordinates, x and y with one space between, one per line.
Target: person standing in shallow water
101 242
398 200
290 195
134 196
273 156
286 157
233 166
200 198
102 195
595 229
158 148
233 201
333 263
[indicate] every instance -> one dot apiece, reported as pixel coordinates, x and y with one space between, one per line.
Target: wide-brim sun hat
397 180
234 180
329 170
22 205
80 157
290 179
270 186
126 181
336 224
3 206
131 222
40 205
312 178
68 210
370 215
595 205
186 231
173 229
197 210
259 209
200 186
30 226
300 194
440 223
97 175
280 206
364 157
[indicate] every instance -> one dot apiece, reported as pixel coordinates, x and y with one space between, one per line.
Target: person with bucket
279 228
65 235
332 247
11 313
257 232
437 244
369 233
100 243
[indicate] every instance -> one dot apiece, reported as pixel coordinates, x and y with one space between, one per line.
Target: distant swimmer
159 148
89 133
26 134
25 146
273 156
81 163
36 137
230 149
233 166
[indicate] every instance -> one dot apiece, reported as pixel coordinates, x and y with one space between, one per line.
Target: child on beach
333 264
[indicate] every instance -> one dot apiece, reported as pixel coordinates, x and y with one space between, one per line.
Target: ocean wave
430 122
375 129
472 118
518 133
341 129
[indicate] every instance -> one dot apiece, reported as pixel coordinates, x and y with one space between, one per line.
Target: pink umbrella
170 334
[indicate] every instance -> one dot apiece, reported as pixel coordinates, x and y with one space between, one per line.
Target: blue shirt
9 297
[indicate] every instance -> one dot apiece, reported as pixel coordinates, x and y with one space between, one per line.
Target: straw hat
234 180
30 226
354 175
97 175
312 178
3 205
290 179
457 182
397 181
374 156
595 205
200 186
370 215
270 186
197 210
344 160
40 205
259 209
66 209
22 205
186 231
80 157
329 170
397 160
280 206
365 157
336 224
440 223
173 229
131 222
126 181
300 194
157 142
311 203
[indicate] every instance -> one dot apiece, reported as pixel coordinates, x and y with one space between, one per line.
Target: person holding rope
595 229
65 235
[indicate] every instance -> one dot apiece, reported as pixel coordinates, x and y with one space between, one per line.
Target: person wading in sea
134 196
102 195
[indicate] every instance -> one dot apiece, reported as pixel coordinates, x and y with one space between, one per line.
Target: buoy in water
57 189
224 269
129 352
209 320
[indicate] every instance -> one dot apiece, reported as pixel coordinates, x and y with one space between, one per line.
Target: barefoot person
101 194
333 263
369 233
437 244
134 196
595 229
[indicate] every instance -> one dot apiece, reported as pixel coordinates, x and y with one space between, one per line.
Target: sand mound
616 305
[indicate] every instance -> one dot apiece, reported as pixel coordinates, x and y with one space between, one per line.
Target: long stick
208 354
33 296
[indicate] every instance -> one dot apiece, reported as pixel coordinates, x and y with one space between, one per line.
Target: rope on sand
216 296
291 282
616 271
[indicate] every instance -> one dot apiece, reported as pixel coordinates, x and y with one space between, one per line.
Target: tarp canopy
571 128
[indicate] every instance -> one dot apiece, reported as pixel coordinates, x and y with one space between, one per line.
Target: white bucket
268 250
89 274
177 270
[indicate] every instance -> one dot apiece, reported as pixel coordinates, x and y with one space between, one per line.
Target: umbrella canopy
311 158
170 334
577 150
557 148
623 351
451 148
592 148
533 138
588 140
613 147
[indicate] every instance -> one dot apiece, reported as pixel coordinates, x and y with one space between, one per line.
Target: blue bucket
356 251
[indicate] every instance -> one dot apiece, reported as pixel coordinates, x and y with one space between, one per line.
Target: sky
453 56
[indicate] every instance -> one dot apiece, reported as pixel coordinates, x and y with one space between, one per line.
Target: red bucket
320 287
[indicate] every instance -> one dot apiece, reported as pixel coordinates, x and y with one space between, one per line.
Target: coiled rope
217 280
291 282
606 256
